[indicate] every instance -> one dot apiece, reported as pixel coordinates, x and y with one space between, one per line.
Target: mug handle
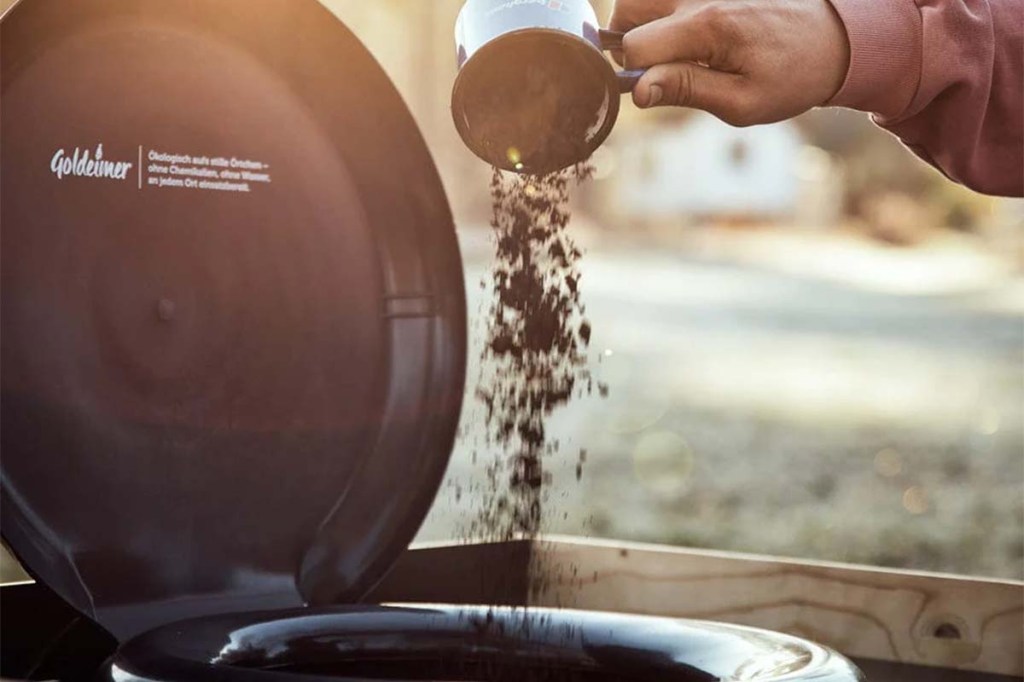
612 40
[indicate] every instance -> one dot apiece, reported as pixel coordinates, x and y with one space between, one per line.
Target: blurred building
705 168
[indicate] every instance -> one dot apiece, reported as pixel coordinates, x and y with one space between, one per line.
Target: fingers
622 20
680 37
671 48
726 95
628 14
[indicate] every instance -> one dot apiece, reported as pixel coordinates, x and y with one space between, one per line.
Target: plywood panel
911 617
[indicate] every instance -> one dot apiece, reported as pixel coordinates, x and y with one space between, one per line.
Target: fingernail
655 95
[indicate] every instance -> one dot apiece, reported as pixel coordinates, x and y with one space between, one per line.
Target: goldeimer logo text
83 165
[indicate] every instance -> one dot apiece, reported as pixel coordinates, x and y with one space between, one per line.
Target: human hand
745 61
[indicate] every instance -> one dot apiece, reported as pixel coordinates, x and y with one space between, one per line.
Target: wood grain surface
911 617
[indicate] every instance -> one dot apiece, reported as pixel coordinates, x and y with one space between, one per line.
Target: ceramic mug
535 93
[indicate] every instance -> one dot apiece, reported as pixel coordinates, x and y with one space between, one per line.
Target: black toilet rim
468 642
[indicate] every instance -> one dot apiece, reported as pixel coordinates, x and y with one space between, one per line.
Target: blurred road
849 402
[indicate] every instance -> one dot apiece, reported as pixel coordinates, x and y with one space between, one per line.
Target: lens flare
888 463
915 500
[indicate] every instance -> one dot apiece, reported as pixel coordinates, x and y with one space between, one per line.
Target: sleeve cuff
885 55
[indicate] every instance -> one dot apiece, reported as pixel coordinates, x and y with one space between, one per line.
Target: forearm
946 77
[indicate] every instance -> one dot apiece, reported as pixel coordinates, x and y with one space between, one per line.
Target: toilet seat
440 642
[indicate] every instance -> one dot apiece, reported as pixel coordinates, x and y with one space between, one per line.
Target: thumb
685 84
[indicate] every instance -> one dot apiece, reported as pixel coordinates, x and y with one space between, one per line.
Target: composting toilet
234 345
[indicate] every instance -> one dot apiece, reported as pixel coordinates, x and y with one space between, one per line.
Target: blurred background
814 342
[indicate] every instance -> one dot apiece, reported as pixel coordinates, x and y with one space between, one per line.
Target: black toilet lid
232 307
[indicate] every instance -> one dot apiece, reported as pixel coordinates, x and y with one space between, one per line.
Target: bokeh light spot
915 500
888 463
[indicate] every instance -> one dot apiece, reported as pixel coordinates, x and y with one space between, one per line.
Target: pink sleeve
947 78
